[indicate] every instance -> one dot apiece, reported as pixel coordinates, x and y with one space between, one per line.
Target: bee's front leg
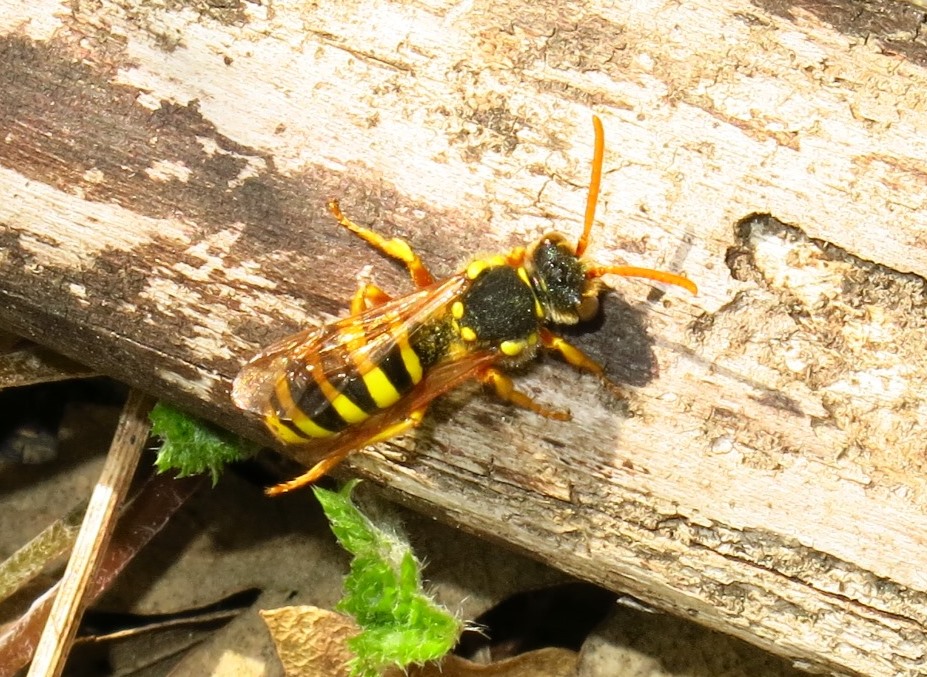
396 248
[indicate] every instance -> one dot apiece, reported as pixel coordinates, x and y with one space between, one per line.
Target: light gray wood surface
760 465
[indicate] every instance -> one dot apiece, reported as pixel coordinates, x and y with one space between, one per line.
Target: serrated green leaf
400 624
191 446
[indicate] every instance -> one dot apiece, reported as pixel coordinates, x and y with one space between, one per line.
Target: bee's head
565 286
560 282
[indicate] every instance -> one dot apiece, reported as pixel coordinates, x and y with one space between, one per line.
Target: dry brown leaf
311 642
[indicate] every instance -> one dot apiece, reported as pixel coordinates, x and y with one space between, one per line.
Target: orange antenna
594 183
591 200
634 271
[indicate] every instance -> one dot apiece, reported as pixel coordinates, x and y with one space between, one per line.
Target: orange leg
368 296
573 355
338 455
413 420
516 257
505 389
396 248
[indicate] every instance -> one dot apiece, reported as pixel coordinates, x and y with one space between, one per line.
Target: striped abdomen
332 391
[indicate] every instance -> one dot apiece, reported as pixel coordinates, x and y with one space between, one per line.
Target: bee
372 375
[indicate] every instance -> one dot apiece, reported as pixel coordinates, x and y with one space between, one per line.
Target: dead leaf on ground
312 642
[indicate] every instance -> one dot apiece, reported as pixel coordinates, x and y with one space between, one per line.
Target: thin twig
96 530
154 505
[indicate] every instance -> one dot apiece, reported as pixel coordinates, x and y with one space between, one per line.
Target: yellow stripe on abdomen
411 360
291 411
281 431
349 411
381 389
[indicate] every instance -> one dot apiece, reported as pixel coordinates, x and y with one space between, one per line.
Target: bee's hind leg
397 248
411 420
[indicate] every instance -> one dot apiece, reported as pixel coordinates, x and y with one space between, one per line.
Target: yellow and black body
372 375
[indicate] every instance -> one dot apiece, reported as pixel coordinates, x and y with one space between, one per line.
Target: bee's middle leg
368 296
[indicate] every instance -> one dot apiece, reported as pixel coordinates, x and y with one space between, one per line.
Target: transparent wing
339 345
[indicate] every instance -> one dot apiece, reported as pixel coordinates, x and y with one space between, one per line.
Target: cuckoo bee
371 376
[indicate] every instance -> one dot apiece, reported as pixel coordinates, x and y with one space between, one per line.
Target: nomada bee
371 376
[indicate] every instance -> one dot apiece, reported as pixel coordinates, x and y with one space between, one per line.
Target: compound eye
554 238
558 261
588 308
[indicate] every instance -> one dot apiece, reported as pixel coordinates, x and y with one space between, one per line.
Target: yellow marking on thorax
294 413
476 267
523 276
517 347
515 257
512 348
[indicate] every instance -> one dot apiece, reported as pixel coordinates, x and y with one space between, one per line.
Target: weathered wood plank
163 179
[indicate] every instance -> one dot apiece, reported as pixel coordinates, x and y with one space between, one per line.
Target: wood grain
759 466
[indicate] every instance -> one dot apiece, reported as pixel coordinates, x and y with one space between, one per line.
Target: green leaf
191 446
400 624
